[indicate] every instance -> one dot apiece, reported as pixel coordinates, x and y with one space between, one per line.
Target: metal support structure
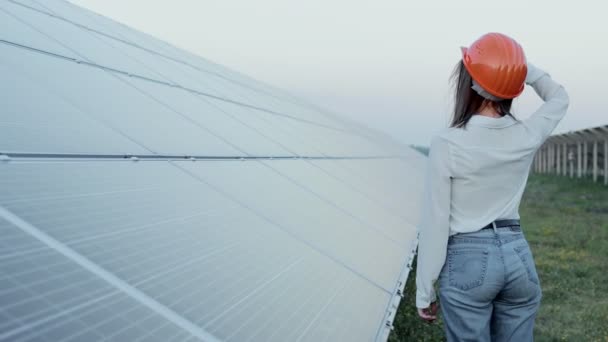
595 161
580 154
552 158
542 160
547 159
564 159
558 163
606 161
585 161
571 162
579 162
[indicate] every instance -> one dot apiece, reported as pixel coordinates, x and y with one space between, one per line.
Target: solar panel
47 296
151 195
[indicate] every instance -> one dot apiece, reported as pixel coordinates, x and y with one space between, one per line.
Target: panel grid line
281 227
127 42
111 279
176 86
165 157
277 297
333 204
108 260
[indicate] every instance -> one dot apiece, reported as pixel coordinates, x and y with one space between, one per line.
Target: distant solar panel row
287 224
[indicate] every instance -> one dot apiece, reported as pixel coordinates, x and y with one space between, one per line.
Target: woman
470 239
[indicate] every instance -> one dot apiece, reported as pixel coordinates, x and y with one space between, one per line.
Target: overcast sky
385 63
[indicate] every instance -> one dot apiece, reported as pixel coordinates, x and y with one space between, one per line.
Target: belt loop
494 226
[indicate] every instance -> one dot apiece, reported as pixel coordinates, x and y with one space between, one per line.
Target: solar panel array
151 195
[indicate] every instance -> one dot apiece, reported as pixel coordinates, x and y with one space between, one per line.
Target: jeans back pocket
525 254
467 267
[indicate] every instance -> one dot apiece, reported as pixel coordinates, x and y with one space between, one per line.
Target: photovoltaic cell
203 111
270 126
51 124
384 180
119 105
46 296
74 14
302 212
82 44
16 30
364 208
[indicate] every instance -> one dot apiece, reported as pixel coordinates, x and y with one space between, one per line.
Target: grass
566 223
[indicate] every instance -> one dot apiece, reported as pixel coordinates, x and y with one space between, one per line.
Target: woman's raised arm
544 120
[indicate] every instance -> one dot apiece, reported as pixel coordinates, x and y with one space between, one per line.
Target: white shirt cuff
423 300
534 73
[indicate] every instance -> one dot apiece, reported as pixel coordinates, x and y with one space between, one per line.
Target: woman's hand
429 314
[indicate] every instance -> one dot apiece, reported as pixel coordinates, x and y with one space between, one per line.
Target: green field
566 224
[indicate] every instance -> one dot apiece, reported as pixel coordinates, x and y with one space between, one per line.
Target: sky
385 63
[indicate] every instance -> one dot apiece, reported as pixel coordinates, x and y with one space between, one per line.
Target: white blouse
478 174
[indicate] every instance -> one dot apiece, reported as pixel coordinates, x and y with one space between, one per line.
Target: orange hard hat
498 64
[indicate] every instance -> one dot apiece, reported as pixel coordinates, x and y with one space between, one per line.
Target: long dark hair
466 100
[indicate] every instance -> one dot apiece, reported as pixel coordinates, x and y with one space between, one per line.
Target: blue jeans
488 288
